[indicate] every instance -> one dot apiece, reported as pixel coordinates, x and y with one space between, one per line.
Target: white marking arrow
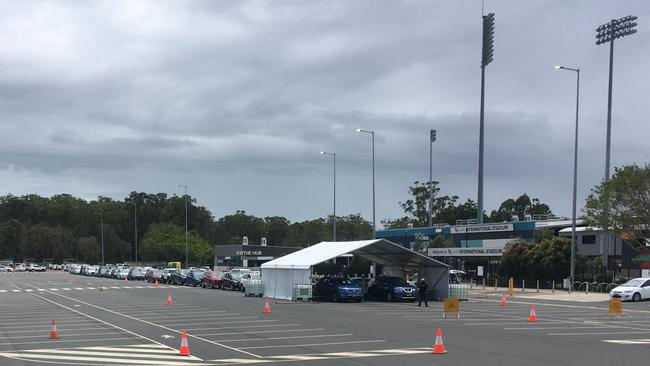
166 336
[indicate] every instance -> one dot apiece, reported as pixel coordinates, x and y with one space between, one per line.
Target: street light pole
575 173
101 218
333 155
186 246
432 139
487 53
372 133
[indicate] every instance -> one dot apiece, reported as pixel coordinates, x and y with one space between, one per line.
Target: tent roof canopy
377 250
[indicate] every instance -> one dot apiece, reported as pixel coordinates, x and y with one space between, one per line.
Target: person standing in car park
422 292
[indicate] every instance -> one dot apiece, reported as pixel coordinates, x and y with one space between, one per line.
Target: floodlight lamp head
557 67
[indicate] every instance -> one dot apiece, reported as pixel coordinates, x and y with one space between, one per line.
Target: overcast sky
237 98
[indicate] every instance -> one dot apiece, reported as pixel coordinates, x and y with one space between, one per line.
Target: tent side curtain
279 282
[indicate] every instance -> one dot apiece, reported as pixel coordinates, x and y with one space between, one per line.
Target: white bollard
496 284
523 285
537 285
553 290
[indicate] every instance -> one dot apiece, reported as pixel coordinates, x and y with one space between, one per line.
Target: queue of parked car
23 267
328 288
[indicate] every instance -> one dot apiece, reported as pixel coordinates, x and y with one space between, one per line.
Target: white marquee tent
280 275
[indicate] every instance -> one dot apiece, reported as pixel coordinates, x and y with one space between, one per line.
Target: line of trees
66 227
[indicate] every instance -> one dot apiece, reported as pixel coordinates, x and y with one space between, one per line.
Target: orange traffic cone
169 298
185 349
503 300
54 334
156 283
438 347
267 308
126 280
100 288
532 317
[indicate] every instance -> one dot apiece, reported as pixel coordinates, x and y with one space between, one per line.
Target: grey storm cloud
236 99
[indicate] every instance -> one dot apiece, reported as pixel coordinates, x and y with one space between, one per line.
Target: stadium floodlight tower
608 32
487 53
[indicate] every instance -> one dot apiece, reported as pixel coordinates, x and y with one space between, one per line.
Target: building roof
377 250
581 229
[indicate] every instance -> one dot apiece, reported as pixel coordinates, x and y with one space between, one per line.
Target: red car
211 280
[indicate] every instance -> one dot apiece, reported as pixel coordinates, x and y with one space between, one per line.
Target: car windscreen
633 283
136 271
396 281
256 277
124 271
183 272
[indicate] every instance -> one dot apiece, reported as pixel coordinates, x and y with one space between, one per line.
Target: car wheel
243 289
389 297
636 297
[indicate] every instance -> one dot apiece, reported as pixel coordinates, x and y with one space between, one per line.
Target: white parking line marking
78 288
555 328
140 320
15 290
595 333
254 326
67 335
280 338
70 340
54 289
314 344
627 341
3 290
265 331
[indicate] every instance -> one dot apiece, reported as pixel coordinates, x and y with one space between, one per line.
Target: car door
645 290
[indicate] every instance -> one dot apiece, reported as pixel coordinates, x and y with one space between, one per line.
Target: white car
92 270
635 290
252 278
122 273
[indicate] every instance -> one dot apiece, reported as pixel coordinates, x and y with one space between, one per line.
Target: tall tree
10 239
521 206
622 205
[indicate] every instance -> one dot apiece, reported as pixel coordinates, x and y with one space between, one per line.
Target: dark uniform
422 292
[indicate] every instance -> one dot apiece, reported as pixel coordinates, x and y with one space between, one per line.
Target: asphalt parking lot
129 324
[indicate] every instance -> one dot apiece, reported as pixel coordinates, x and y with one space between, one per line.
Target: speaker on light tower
245 240
263 242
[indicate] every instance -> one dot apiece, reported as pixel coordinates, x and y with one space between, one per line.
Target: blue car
194 277
337 289
392 289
